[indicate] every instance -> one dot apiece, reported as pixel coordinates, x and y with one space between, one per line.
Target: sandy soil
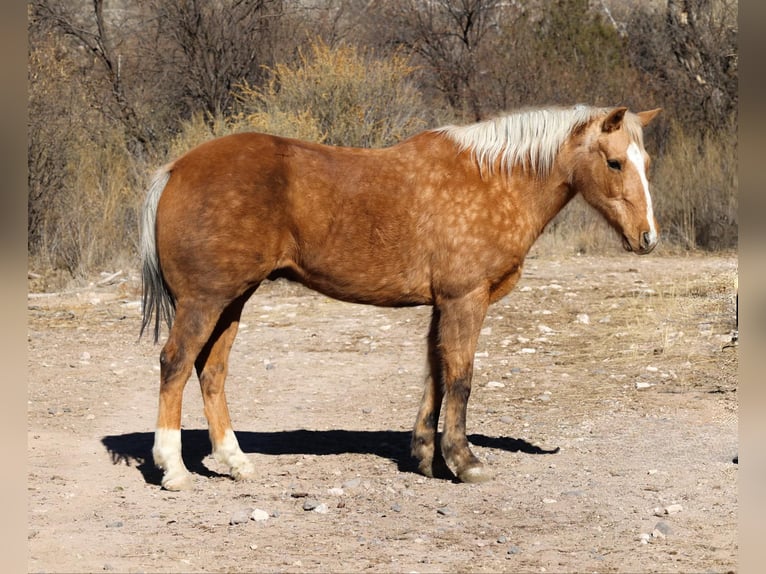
604 400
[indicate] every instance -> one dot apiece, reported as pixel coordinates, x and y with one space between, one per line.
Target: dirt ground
604 401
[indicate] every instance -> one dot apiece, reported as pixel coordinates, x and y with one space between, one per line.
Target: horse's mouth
643 247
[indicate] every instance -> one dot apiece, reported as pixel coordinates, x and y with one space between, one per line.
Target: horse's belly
370 284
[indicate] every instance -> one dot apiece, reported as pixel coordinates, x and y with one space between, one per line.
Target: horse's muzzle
646 243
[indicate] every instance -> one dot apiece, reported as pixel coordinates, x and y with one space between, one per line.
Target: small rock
445 511
645 538
240 516
321 508
583 318
352 483
513 550
310 504
259 515
544 329
527 350
396 507
495 385
573 493
335 491
502 540
642 385
663 528
657 534
549 501
115 524
673 509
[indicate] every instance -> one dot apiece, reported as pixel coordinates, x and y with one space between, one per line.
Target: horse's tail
157 300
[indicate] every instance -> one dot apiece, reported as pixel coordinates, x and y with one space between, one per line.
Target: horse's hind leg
212 366
430 461
194 322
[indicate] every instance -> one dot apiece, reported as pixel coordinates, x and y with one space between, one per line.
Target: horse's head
610 172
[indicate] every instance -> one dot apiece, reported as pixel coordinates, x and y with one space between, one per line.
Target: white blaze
635 157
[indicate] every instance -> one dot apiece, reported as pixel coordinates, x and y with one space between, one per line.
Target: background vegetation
116 88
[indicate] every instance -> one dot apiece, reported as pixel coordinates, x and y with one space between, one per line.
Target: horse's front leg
460 323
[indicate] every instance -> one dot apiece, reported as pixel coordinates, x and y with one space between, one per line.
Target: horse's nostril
645 239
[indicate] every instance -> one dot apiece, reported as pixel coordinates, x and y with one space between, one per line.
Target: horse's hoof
475 474
435 468
178 482
426 468
243 474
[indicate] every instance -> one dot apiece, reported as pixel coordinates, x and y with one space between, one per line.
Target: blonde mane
530 138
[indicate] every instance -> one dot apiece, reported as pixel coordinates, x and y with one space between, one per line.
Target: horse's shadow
134 449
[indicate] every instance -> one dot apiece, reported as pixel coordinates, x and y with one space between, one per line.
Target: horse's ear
648 116
613 120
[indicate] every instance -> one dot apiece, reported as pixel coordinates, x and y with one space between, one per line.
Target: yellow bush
339 96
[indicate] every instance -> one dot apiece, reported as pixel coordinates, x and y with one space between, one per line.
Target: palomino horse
444 218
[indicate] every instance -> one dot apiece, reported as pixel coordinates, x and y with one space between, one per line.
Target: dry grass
696 185
93 223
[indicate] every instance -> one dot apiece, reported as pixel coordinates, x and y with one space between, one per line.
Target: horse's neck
543 199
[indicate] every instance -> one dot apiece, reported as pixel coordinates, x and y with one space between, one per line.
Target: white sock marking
229 453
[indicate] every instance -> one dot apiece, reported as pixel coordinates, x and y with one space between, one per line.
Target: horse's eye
614 164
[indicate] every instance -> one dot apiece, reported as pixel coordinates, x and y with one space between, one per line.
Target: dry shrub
84 180
696 189
92 221
201 127
338 96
